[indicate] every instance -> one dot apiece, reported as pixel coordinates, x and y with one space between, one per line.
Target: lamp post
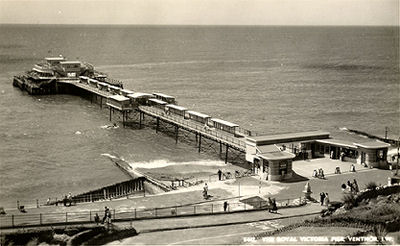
398 155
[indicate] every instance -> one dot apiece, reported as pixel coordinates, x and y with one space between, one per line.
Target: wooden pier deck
227 139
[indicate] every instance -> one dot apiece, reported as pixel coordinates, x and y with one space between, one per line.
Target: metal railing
21 220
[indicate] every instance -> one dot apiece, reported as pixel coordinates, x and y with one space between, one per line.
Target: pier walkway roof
288 137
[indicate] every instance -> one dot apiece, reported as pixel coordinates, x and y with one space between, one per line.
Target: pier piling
226 154
199 142
176 133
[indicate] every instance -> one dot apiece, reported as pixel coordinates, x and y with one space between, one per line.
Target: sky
202 12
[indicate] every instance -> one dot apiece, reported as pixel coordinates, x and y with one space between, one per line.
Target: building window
283 167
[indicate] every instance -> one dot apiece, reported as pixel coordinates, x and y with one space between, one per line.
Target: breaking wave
165 163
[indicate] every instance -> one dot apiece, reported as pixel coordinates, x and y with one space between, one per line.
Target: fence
25 220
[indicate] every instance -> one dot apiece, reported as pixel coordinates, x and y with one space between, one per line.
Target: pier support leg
158 124
196 137
220 148
176 133
226 154
101 102
199 142
140 120
110 113
123 118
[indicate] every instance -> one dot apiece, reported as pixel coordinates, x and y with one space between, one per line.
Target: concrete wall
273 170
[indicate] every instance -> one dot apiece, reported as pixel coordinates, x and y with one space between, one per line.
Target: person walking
219 174
355 186
270 204
97 218
106 211
205 191
350 186
326 200
322 197
225 206
274 207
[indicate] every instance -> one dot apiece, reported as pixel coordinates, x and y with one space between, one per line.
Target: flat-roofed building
125 92
102 86
164 97
71 68
119 102
373 153
175 109
113 89
197 116
54 60
224 125
157 103
93 82
272 163
140 97
84 79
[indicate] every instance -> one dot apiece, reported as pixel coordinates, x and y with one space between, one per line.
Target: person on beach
322 174
270 204
219 174
225 206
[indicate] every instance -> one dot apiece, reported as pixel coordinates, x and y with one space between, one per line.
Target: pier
269 156
130 106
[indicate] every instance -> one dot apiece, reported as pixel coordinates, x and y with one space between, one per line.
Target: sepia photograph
199 122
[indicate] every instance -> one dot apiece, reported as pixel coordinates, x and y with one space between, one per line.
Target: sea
269 79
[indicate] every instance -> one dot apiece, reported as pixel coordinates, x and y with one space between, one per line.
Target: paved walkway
305 168
239 224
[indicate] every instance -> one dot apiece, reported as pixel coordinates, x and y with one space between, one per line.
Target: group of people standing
320 174
106 218
351 187
324 198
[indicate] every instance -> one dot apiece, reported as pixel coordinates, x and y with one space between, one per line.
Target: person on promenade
326 200
343 187
106 211
270 204
205 191
97 219
65 201
314 173
225 206
355 186
274 207
352 168
219 174
322 197
350 186
322 174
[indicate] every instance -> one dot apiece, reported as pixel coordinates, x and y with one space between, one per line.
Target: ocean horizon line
185 25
